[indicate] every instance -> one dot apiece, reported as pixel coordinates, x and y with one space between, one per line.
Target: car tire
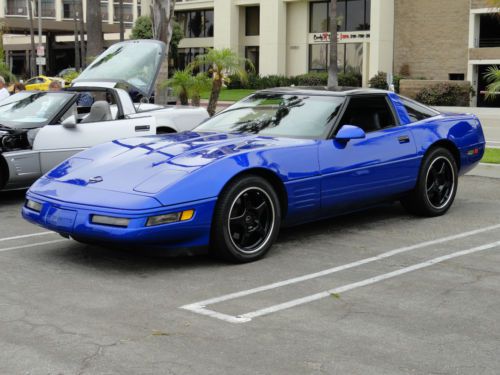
436 186
246 220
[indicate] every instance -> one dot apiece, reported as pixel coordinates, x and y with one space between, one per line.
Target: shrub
446 94
143 28
379 81
350 79
313 79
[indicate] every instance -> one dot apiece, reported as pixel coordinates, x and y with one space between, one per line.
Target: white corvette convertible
38 130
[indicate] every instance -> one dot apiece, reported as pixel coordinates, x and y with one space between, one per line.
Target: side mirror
69 123
348 132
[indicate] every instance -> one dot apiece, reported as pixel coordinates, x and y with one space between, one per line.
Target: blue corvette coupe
277 158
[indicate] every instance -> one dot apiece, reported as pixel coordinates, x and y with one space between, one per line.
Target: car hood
132 65
148 165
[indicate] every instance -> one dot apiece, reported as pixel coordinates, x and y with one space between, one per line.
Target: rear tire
246 220
436 186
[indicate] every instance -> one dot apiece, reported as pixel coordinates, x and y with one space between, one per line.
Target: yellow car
41 83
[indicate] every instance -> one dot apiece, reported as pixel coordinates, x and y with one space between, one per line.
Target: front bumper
74 220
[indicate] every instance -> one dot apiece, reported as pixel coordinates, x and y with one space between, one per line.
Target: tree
32 40
222 63
95 42
201 82
492 76
143 28
162 12
187 86
333 80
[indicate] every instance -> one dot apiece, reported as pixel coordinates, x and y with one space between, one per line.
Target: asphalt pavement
377 292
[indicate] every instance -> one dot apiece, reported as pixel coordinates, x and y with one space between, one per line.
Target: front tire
436 186
246 220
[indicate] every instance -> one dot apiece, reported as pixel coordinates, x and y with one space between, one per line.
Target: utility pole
32 40
122 25
77 49
40 46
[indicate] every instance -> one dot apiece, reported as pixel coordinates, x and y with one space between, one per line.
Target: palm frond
492 76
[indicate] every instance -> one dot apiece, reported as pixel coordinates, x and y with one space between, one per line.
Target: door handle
404 139
142 128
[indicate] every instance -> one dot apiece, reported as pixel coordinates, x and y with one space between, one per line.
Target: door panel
366 170
56 143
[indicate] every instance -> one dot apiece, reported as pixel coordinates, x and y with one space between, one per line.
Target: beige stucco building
432 39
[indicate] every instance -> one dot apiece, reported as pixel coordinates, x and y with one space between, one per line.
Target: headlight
110 220
32 205
170 218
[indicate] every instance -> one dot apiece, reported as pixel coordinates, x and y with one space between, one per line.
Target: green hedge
446 94
256 82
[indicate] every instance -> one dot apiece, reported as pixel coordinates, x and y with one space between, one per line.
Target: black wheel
436 186
246 220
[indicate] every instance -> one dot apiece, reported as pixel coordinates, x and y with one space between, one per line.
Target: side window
417 112
370 113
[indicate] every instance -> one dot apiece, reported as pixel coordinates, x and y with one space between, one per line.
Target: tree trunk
83 56
77 47
183 97
333 80
95 43
214 95
32 40
162 12
122 25
195 100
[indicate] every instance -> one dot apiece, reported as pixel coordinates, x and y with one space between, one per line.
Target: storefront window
349 57
252 21
196 24
352 15
68 8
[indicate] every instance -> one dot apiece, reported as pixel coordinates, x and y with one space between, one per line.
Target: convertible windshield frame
29 99
285 104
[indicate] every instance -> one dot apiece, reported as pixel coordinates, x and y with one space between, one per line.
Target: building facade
438 40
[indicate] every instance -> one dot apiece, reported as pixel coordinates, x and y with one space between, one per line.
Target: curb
486 170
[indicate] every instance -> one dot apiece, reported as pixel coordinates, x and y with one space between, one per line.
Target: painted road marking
31 245
25 236
200 307
344 267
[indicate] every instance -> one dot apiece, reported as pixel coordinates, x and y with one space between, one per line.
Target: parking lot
377 292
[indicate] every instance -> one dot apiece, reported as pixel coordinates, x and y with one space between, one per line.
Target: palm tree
492 76
222 63
333 80
180 82
199 83
95 42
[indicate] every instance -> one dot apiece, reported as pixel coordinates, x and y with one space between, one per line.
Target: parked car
40 129
280 157
41 83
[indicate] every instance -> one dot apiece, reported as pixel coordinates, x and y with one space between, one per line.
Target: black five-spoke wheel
246 220
436 185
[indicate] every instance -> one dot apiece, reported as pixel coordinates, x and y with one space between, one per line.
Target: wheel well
274 180
165 130
450 146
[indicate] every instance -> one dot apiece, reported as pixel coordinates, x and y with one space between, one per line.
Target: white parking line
200 307
31 245
25 236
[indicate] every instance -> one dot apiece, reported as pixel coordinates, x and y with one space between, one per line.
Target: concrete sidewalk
486 170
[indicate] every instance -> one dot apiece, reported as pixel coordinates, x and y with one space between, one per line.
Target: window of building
185 56
352 15
252 21
128 12
68 9
318 57
48 9
489 30
104 11
197 23
252 54
16 8
349 57
456 77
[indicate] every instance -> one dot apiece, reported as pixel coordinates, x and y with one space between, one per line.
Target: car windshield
135 63
274 114
32 111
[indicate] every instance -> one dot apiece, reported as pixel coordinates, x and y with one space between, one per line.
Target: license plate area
59 217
